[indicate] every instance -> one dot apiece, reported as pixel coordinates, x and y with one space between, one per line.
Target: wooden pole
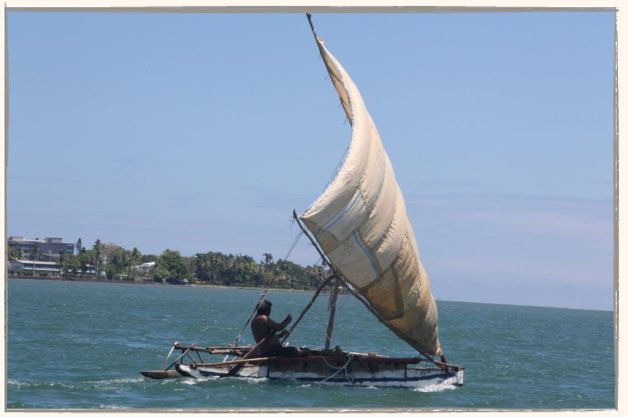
182 355
320 288
237 339
167 357
320 252
330 325
250 353
234 362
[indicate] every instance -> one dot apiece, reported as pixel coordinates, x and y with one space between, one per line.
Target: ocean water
77 345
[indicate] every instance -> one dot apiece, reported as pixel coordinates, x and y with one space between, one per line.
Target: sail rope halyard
294 244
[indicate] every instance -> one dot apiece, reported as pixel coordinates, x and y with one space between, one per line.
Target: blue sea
81 345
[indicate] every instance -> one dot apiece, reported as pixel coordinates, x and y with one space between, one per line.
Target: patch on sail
379 293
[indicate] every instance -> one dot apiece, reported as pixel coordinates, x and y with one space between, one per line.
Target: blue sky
202 132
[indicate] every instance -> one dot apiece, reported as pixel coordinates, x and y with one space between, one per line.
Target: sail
360 222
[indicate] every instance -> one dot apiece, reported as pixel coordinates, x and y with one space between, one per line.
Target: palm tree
34 254
202 267
61 261
135 256
14 253
268 259
97 253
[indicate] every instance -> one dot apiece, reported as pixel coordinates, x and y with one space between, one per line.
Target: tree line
110 261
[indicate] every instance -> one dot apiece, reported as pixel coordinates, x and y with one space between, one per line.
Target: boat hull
161 374
352 372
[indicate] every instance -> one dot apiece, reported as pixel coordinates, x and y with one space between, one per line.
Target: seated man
263 326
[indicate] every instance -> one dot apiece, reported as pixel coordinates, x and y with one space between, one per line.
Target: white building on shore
27 265
146 267
36 266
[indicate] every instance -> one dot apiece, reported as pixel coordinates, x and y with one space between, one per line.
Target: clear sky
202 132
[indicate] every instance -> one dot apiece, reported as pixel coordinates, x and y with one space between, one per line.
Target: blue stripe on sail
368 255
329 225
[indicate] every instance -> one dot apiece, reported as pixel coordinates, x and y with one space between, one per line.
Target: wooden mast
332 313
320 288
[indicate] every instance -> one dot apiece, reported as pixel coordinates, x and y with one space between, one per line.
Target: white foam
436 388
194 381
119 381
111 406
255 380
39 384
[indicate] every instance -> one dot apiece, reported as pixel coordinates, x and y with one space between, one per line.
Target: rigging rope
343 367
294 244
335 173
237 339
344 302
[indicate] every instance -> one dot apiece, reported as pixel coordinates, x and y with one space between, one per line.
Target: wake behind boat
361 230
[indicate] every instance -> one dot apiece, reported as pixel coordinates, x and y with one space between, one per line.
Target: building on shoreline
35 266
144 268
47 248
42 266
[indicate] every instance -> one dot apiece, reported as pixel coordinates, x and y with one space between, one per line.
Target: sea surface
81 345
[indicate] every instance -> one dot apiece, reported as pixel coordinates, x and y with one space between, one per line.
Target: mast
332 313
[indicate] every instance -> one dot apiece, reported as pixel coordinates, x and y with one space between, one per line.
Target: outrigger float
360 228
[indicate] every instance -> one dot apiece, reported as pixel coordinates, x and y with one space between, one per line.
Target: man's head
264 308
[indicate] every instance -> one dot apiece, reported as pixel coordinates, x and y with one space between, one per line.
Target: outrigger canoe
361 230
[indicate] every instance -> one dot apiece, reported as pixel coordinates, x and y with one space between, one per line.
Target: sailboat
361 229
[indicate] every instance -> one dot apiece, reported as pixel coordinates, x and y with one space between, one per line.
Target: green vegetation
110 261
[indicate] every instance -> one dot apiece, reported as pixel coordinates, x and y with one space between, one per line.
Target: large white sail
360 222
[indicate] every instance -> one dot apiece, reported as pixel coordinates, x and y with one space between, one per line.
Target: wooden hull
388 372
161 374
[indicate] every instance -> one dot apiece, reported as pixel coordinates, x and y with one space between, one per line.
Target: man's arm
273 325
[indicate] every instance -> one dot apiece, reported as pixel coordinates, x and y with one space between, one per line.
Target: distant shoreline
108 281
57 278
324 291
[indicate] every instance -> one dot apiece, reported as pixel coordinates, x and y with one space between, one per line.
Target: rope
239 336
294 244
344 302
335 173
343 367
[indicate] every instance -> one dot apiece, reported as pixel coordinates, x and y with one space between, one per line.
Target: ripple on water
90 351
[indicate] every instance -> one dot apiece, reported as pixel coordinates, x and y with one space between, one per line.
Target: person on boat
263 326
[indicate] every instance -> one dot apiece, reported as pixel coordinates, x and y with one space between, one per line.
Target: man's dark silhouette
263 326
